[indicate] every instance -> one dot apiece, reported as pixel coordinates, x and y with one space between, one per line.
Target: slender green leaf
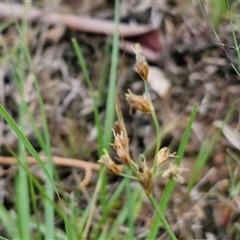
170 184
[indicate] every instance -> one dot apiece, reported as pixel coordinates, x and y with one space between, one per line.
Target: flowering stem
158 130
162 218
128 176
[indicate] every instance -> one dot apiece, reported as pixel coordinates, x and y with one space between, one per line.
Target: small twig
87 166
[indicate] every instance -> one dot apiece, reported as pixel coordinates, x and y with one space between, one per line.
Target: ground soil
191 67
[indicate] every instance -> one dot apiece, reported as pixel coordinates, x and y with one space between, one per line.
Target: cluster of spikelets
140 171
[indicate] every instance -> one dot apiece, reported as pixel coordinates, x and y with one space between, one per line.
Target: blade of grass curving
206 150
33 152
170 184
25 141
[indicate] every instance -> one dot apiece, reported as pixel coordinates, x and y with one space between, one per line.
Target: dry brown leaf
159 82
232 135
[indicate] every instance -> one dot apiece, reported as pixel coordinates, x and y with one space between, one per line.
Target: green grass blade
25 141
130 206
110 108
111 100
170 184
104 71
234 35
234 155
137 198
2 238
10 225
206 150
21 180
218 9
49 213
90 87
34 206
33 152
27 144
109 205
22 189
44 195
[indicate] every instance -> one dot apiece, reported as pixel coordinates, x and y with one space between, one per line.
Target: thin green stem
157 127
163 219
234 38
233 33
235 69
128 176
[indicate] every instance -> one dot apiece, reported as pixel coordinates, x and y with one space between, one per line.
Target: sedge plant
139 170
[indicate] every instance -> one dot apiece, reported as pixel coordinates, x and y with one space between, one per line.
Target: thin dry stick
87 166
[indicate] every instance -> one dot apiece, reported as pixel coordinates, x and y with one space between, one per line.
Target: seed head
119 141
141 63
138 102
164 154
146 176
108 163
174 172
117 128
120 145
124 156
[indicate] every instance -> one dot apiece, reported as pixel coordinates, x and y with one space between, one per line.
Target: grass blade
170 184
206 150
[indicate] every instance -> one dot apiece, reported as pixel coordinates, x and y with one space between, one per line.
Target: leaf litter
186 67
